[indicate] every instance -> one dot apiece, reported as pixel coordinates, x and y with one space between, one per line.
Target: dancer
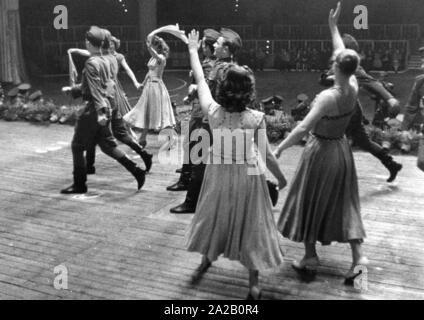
356 128
323 200
93 125
154 109
226 49
234 214
119 128
197 119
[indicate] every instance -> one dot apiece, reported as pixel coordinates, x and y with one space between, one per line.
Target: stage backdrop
12 66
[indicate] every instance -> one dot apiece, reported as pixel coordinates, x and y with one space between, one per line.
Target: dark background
191 12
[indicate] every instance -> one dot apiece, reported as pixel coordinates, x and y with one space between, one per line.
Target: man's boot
183 182
392 166
145 156
138 173
79 186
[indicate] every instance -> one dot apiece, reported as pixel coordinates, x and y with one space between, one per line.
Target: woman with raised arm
154 109
323 201
234 212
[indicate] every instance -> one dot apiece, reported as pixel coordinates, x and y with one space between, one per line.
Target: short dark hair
348 61
236 89
210 45
232 47
161 46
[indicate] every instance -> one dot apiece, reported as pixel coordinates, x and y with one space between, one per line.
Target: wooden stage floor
119 244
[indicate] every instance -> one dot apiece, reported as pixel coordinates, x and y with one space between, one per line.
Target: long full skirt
323 200
154 109
234 219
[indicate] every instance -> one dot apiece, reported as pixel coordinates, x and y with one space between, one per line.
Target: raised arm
318 110
333 20
205 96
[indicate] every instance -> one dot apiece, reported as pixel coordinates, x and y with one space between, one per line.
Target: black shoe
183 209
148 160
394 169
350 281
91 170
179 186
139 174
75 190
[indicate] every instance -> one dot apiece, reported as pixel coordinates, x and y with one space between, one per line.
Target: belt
327 138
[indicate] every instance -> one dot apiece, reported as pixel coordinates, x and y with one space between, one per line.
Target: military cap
302 97
232 37
96 35
13 92
24 87
211 35
36 95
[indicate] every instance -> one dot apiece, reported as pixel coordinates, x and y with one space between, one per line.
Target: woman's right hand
333 19
193 41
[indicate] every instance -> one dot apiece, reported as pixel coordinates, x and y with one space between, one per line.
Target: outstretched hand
193 40
334 16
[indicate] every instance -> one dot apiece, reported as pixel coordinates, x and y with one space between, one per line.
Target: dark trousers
88 133
196 171
120 132
356 131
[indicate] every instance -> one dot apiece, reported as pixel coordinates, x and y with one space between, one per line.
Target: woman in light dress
323 201
154 108
234 213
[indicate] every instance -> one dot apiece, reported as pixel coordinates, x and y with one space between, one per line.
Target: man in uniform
226 48
119 129
93 125
356 128
414 113
197 119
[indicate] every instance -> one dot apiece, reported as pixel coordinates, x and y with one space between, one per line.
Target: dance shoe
179 186
351 275
394 169
200 271
74 190
183 209
138 173
305 265
257 296
148 160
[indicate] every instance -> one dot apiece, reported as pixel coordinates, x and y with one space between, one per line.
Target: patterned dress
234 212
